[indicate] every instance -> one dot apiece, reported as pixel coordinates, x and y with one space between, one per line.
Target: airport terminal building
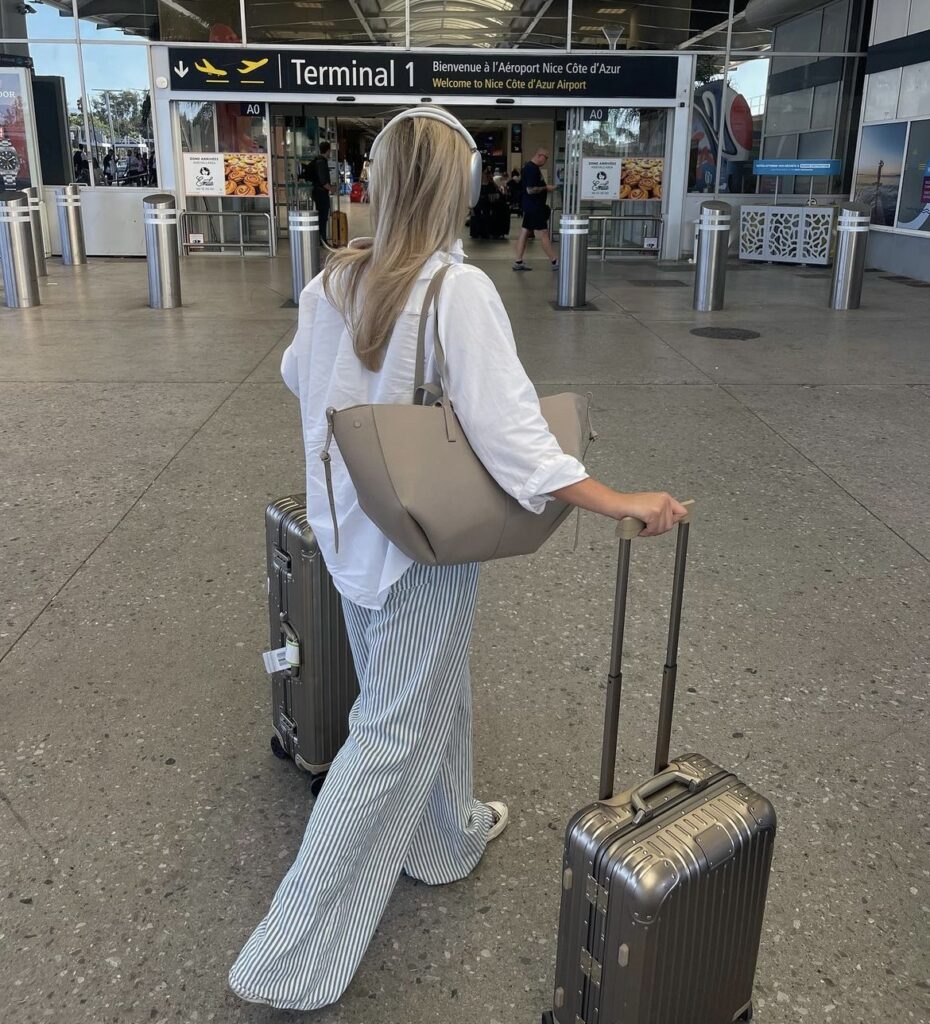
648 108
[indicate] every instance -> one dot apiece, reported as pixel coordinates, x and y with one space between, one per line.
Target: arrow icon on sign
180 69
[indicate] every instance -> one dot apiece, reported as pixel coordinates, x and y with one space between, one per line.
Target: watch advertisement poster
15 172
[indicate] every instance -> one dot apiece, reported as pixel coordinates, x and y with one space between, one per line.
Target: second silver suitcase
311 700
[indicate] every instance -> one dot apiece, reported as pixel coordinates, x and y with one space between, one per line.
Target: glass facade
789 89
89 79
788 85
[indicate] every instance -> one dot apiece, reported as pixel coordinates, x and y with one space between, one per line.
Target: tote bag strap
420 393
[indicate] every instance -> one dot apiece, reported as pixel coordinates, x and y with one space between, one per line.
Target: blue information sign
785 168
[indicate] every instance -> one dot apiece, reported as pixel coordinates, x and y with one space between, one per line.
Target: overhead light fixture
613 35
611 10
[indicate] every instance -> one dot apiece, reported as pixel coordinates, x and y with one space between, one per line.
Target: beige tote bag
420 482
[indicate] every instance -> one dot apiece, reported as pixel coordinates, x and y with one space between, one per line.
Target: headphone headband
434 114
444 117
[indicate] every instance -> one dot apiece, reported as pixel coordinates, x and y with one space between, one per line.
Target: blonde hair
419 199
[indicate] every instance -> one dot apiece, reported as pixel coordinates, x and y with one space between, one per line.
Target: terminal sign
362 73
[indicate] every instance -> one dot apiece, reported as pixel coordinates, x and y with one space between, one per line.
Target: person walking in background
320 189
535 210
515 190
398 798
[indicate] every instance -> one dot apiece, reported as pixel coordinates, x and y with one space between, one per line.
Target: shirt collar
455 254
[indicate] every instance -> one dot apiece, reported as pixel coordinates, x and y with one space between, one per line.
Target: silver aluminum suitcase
663 885
310 700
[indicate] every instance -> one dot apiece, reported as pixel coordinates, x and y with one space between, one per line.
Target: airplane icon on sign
206 68
248 66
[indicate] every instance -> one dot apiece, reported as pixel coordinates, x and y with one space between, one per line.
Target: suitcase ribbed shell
661 921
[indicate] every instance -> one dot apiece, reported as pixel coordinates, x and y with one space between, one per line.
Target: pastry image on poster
246 175
641 177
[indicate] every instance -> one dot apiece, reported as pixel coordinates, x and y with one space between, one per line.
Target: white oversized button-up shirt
494 400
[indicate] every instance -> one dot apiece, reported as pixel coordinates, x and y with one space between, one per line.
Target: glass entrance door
622 178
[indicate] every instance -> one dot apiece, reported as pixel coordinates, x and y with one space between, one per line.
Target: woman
398 798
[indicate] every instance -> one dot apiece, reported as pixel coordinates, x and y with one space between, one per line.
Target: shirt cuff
554 473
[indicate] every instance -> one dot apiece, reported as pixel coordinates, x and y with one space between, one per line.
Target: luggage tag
275 661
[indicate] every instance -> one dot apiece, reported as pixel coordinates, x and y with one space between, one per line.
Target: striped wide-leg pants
398 797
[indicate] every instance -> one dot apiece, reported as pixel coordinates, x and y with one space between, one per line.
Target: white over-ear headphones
435 114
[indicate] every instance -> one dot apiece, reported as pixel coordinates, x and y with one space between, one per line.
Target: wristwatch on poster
9 163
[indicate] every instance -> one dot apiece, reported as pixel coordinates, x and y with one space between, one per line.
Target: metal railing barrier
710 274
160 216
21 285
599 243
270 246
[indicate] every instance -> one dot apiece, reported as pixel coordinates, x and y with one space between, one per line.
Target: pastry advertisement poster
641 178
203 174
14 150
600 178
246 175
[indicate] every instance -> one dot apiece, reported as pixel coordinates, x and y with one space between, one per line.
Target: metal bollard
852 239
710 275
304 231
160 216
71 226
38 235
573 262
20 282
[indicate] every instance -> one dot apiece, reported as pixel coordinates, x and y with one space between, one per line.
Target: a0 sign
596 113
251 109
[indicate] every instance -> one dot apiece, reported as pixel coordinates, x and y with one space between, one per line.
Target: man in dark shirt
321 188
535 211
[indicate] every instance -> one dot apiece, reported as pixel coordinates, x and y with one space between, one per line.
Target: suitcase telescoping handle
627 530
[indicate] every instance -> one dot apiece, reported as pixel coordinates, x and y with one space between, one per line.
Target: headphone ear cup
475 179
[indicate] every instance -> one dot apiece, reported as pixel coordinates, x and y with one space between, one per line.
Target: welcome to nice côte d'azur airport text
487 74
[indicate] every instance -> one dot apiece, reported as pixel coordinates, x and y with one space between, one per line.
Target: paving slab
76 458
156 346
866 439
822 350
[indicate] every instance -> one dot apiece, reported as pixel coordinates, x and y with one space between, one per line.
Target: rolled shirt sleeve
494 399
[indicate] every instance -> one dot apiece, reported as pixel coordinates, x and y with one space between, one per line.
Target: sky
113 66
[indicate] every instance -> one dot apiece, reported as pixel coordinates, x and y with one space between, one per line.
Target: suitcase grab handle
655 785
629 527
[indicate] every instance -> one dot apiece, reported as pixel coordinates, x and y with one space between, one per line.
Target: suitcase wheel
747 1013
547 1018
277 748
316 783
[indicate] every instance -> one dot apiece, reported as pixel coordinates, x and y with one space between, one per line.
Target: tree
117 113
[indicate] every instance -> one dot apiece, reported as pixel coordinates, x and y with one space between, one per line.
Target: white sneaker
501 818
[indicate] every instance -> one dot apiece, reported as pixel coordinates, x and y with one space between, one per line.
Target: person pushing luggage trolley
398 797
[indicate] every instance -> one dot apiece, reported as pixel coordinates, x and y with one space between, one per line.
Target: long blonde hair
419 198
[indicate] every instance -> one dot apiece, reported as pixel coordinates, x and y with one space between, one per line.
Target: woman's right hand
658 510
